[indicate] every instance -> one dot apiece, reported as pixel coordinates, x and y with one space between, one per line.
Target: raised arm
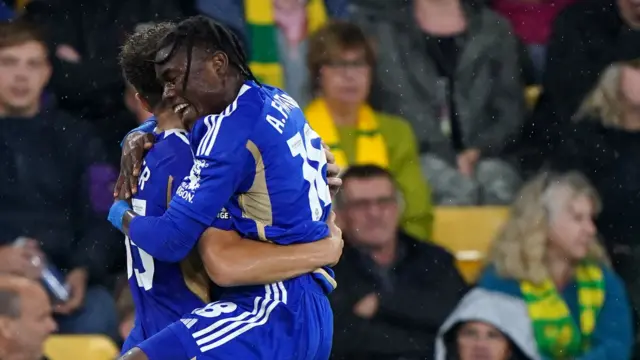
233 261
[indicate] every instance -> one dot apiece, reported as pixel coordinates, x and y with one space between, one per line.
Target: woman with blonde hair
548 255
604 144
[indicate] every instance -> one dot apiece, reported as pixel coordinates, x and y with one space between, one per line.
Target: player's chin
188 119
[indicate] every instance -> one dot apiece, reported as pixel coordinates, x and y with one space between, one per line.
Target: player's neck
343 114
168 120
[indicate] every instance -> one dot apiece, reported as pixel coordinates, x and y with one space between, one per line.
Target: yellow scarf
263 37
556 333
370 145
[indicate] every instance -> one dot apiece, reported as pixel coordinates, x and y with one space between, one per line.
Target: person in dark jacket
604 143
394 292
587 36
55 188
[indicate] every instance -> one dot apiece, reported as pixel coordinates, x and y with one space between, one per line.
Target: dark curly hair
211 36
137 60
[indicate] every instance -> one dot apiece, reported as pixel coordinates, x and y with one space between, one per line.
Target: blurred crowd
527 104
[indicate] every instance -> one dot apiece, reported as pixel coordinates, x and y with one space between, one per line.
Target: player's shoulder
170 146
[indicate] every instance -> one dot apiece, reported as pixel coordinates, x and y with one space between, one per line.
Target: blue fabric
613 335
6 13
293 320
116 213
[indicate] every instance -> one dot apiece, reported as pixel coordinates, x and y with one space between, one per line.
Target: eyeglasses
363 204
358 64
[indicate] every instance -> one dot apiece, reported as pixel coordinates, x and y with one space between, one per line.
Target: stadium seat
86 347
467 232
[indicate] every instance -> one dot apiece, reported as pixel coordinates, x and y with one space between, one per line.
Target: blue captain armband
146 127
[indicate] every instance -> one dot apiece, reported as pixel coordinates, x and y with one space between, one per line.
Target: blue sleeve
219 167
165 345
145 127
613 335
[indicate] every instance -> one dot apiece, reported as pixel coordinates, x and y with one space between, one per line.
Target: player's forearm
163 237
248 262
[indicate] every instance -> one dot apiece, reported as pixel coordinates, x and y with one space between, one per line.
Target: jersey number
319 195
144 268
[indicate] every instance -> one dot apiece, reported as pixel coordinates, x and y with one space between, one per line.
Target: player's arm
221 161
233 261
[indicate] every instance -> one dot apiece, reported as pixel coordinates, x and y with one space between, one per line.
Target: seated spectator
548 255
274 33
25 318
54 187
451 69
532 20
487 325
394 292
340 63
604 144
587 36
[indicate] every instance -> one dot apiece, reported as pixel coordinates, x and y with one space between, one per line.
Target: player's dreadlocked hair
137 60
202 31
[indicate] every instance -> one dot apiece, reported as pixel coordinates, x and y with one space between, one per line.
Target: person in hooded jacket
487 325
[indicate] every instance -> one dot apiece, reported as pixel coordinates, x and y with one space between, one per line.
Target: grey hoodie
506 313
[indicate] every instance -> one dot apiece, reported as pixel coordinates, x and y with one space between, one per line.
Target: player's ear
144 103
219 63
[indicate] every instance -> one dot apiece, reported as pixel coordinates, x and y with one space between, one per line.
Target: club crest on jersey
191 183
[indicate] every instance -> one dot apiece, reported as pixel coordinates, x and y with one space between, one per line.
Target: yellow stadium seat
85 347
531 95
468 232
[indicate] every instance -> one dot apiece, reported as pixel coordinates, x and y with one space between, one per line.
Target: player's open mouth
179 109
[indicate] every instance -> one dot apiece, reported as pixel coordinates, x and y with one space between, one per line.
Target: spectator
487 325
548 255
603 144
25 318
532 20
275 33
587 36
340 63
85 37
451 69
54 186
394 292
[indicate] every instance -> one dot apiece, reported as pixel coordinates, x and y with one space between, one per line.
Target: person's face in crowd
630 85
28 332
480 341
24 72
126 325
571 230
371 211
630 12
347 78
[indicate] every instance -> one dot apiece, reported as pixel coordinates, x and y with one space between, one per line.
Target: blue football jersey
162 291
261 159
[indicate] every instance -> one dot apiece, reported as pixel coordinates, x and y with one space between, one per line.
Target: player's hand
77 282
21 261
367 307
333 171
135 145
335 240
